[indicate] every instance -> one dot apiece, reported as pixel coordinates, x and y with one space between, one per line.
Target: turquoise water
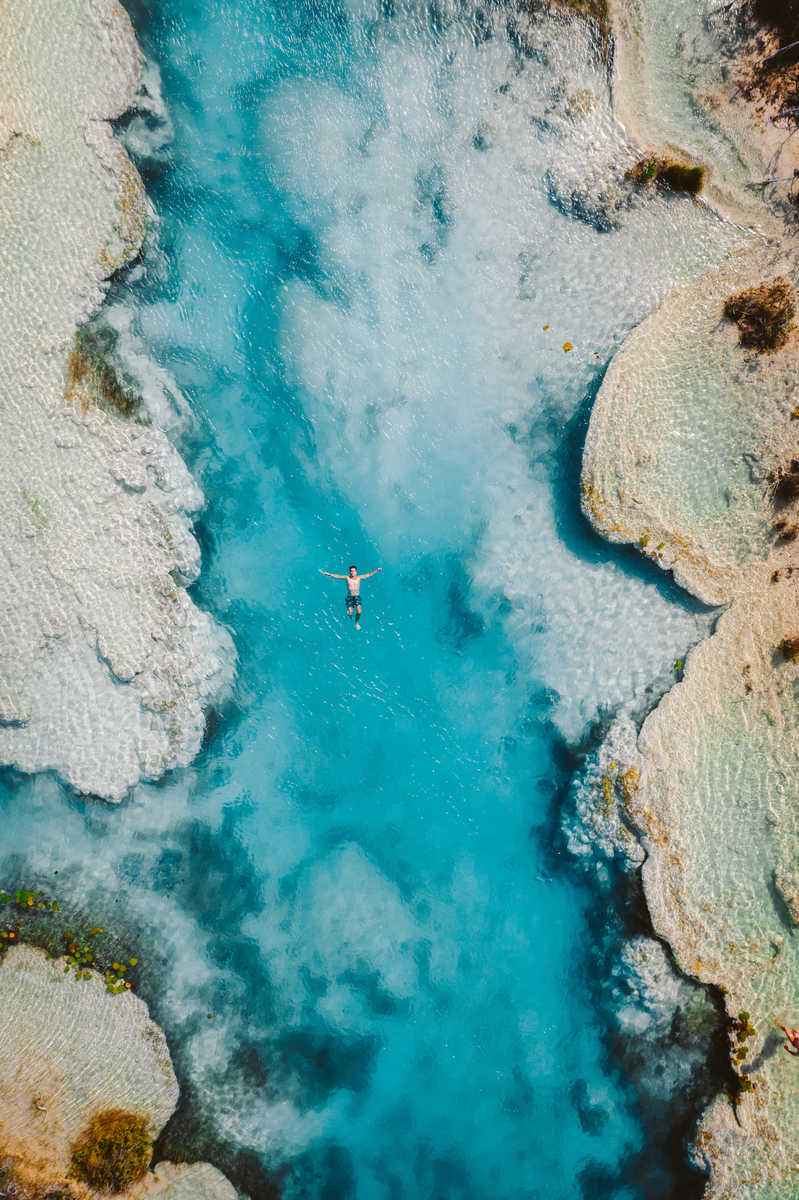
360 237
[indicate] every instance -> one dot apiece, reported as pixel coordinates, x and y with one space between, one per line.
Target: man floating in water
792 1045
353 590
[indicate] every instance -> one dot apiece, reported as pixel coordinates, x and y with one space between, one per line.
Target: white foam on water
436 394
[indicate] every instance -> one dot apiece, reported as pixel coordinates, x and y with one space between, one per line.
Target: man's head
353 571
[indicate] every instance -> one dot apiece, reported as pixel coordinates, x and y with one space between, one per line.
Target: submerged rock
595 201
597 823
665 1020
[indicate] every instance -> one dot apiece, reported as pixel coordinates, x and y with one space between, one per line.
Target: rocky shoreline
108 666
689 436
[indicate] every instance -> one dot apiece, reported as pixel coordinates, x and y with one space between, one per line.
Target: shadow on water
307 1062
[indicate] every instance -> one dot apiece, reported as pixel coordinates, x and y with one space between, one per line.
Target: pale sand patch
683 433
716 804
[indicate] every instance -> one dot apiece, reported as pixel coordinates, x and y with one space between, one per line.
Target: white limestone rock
179 1181
106 664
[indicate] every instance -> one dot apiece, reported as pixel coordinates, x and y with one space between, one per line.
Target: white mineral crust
106 665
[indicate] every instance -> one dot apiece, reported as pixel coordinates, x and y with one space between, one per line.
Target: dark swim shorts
353 602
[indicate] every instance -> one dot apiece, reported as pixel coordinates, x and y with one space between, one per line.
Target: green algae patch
113 1153
764 314
672 173
28 916
92 380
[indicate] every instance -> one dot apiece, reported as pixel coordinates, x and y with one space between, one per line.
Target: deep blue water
362 878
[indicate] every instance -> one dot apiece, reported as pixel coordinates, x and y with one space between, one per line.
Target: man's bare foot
357 624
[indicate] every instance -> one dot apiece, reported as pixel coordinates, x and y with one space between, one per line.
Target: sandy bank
106 665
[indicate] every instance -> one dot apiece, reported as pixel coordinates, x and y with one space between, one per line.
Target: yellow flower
567 346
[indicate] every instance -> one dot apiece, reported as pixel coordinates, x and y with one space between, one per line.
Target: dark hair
353 567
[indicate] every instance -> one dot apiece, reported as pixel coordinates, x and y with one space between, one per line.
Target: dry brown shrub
764 314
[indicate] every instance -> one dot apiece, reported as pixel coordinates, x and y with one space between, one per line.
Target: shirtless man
353 590
792 1045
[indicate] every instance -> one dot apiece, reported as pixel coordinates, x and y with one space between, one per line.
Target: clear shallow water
356 256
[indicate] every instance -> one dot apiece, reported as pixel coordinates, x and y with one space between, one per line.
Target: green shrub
764 314
671 173
113 1152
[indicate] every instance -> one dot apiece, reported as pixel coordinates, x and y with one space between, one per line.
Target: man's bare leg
358 617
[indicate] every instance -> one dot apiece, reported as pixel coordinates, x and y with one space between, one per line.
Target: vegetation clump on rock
671 173
88 366
789 648
114 1152
764 314
784 485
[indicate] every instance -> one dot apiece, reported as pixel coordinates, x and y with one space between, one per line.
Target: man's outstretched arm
369 574
330 574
